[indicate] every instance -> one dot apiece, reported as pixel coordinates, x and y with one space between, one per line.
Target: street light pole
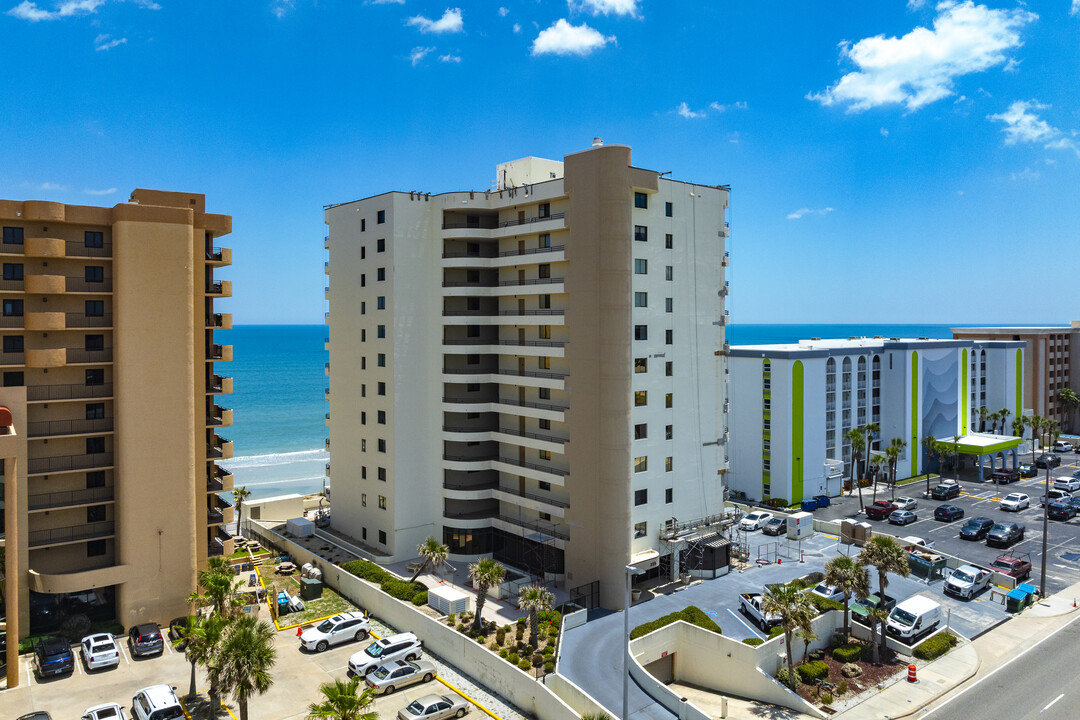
1046 525
630 572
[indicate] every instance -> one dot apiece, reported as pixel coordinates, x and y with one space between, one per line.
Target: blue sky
889 161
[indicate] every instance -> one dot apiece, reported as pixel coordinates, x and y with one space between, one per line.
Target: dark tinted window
13 236
94 239
13 271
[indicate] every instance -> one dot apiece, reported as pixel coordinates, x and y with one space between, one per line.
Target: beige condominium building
109 369
532 372
1051 364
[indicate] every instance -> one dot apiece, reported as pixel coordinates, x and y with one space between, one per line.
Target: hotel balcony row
490 488
487 255
218 479
490 431
56 357
219 448
71 534
60 428
512 466
506 406
50 247
219 511
487 287
486 372
488 225
69 499
219 417
69 463
60 393
49 321
57 285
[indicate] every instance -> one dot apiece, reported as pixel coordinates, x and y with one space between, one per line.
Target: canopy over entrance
983 443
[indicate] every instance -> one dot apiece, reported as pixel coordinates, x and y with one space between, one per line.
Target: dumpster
808 505
1028 588
310 589
822 500
927 565
1016 600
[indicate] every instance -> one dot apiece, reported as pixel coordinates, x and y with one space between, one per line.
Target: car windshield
823 589
999 528
903 617
101 647
1001 564
374 649
774 521
415 708
962 576
1013 498
754 516
325 626
973 524
381 673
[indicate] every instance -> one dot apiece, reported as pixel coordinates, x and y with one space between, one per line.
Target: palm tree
202 649
983 412
994 417
1034 422
850 578
240 494
189 634
807 636
855 439
218 584
893 453
534 599
877 618
795 612
931 446
245 656
342 702
1018 427
1070 401
484 573
432 554
886 555
1004 414
876 462
871 430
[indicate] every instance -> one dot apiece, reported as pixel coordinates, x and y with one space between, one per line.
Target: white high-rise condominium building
534 372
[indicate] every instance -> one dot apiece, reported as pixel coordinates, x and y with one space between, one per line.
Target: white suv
157 702
403 646
336 630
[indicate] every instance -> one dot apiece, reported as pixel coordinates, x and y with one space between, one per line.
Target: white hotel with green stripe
793 404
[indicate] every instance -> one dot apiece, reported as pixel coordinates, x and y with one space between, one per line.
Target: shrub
847 653
826 699
552 617
549 666
481 639
776 632
935 646
537 659
420 598
500 635
521 621
841 687
837 639
785 678
513 658
503 654
549 650
812 671
824 605
524 664
367 570
520 632
690 614
753 642
402 589
450 619
462 627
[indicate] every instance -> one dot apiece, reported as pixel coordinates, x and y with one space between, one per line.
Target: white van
913 618
157 702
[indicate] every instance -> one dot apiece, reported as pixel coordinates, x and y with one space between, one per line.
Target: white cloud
915 4
605 7
418 54
385 2
46 186
103 42
281 8
1075 9
920 67
807 211
449 58
1026 174
517 28
450 22
503 12
884 132
684 111
27 10
1022 126
108 191
737 105
1012 66
562 38
147 4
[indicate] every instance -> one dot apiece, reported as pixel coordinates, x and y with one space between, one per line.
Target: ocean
279 410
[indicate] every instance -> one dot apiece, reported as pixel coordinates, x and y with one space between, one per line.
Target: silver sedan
395 675
434 707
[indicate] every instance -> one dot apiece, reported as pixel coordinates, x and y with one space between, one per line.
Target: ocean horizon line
758 324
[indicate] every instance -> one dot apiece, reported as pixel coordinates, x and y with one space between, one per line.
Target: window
641 464
641 233
668 273
13 379
543 271
381 331
544 211
545 302
13 308
94 239
13 236
95 513
641 398
641 431
363 334
544 424
544 454
641 529
382 445
641 200
363 416
667 368
380 274
544 393
667 209
95 548
641 497
641 365
667 432
544 241
363 445
382 388
667 464
363 308
544 332
380 217
95 377
13 343
668 334
668 493
363 533
13 271
95 308
363 224
363 252
380 302
641 266
381 360
382 502
95 479
381 415
669 241
381 474
641 299
669 304
382 536
94 274
95 445
544 363
472 359
363 472
363 499
667 400
95 411
363 280
543 485
641 332
380 245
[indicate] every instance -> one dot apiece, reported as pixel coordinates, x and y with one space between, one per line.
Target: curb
937 697
474 702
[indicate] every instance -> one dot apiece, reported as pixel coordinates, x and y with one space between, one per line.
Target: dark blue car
948 513
54 657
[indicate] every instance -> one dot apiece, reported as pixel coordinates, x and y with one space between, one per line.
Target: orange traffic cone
911 674
299 630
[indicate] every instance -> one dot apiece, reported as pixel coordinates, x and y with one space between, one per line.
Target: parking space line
123 653
745 624
474 702
78 664
168 646
29 673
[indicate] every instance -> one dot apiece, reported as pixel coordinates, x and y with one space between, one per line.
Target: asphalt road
1031 690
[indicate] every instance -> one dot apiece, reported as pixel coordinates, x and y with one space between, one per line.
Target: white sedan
100 651
906 503
1015 502
108 711
754 521
1069 484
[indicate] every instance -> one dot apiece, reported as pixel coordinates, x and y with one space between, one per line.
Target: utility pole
1046 525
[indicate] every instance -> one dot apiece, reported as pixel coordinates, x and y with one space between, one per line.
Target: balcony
78 356
727 259
81 285
66 463
219 448
326 369
326 318
219 385
45 247
525 221
219 256
50 393
221 288
216 548
58 428
219 353
16 322
326 267
45 321
72 498
219 321
77 249
219 417
533 526
46 284
12 358
82 320
546 499
70 534
214 517
12 285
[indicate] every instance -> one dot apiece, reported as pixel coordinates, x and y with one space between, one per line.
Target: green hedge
420 598
824 605
785 678
776 631
690 614
387 581
552 617
812 671
753 642
847 653
936 646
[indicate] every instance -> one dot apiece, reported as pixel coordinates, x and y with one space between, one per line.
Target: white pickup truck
750 605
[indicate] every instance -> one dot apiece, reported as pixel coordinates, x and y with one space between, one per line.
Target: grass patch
691 614
917 478
330 603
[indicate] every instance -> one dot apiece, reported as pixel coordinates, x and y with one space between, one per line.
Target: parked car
1074 501
403 646
1068 484
1004 534
880 509
750 606
775 526
1055 495
913 618
1047 461
176 630
38 715
754 521
1060 511
1015 502
1012 566
976 528
906 503
157 702
829 592
1004 476
390 677
862 608
146 639
914 541
108 711
903 517
336 630
1062 446
434 707
1028 470
948 513
53 657
100 651
967 580
946 491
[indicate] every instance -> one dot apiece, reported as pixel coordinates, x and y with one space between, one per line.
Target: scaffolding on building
684 541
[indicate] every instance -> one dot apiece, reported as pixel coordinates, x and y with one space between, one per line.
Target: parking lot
296 675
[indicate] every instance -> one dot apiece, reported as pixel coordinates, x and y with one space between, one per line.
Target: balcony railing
214 485
214 352
12 358
483 222
77 355
80 284
536 405
531 281
77 249
63 463
73 533
44 501
534 436
215 255
536 527
539 498
12 321
37 393
214 288
502 313
69 427
12 284
464 486
534 466
214 517
537 218
215 321
216 548
82 320
519 343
